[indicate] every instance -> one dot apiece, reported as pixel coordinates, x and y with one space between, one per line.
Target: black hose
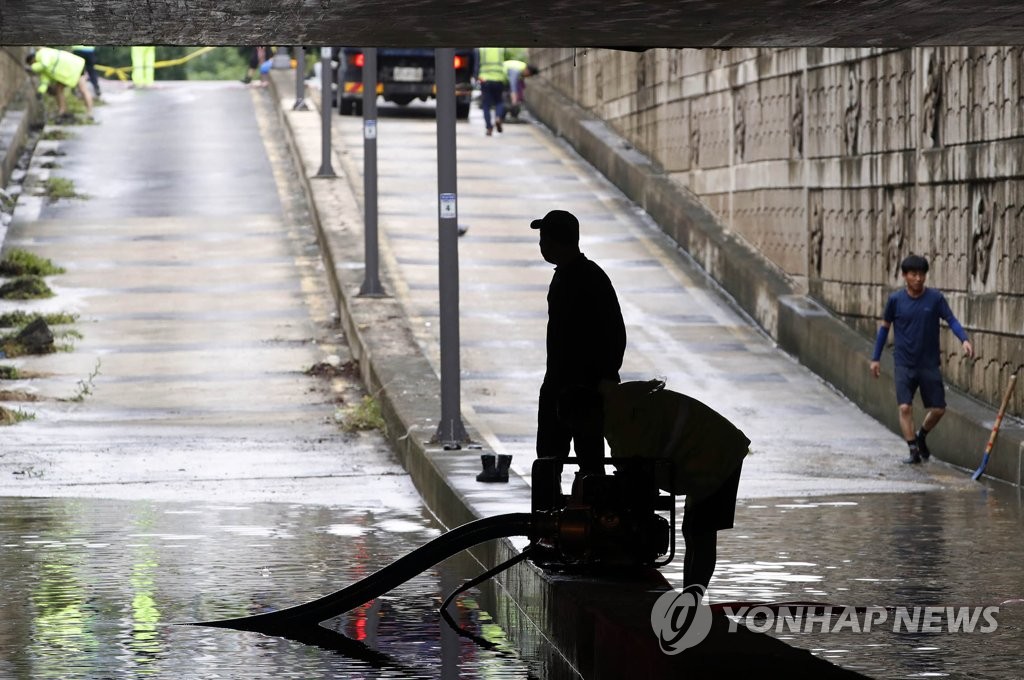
490 573
380 582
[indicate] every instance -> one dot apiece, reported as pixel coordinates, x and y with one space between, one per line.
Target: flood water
94 588
949 548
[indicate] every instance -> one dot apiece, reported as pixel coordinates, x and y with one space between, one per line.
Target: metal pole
300 80
325 114
450 431
371 282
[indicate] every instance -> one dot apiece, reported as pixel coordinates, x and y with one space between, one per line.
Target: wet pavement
806 437
181 464
96 589
202 304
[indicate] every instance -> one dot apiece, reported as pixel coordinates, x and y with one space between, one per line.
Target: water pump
607 520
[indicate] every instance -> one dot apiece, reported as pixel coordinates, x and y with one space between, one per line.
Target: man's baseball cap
559 224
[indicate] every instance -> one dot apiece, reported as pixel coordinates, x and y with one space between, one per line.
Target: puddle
93 589
948 548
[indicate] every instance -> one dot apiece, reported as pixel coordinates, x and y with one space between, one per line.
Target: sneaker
923 447
913 459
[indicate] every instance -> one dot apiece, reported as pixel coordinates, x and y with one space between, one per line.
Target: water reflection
956 547
92 589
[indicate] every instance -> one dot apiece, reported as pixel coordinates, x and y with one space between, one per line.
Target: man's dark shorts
928 380
717 511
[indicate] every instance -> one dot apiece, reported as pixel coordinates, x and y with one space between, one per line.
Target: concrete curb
800 325
17 119
587 620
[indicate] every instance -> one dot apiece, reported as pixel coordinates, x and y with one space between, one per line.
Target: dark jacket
586 336
644 419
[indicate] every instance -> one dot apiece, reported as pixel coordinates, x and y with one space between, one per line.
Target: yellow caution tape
124 72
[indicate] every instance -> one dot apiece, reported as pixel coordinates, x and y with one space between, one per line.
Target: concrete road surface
201 304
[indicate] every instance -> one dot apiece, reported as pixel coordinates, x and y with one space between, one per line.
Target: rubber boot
504 461
495 468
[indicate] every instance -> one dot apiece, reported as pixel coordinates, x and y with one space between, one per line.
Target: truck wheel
462 110
347 107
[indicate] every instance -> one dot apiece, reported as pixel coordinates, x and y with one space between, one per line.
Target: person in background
516 73
88 52
143 62
257 55
915 312
58 69
490 73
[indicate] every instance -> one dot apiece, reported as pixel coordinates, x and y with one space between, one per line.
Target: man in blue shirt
916 311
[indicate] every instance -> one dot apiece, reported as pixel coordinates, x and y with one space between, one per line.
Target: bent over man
58 69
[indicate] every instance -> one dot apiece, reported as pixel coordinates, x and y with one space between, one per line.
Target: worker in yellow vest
516 73
58 69
490 73
143 59
88 52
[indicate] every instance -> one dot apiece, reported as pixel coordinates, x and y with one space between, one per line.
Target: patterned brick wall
837 163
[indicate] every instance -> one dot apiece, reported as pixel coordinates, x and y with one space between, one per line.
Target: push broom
995 427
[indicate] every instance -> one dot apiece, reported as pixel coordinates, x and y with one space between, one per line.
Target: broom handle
1002 410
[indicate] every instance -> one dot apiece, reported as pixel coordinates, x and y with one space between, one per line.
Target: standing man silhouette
586 339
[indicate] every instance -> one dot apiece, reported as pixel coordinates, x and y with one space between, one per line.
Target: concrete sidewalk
807 438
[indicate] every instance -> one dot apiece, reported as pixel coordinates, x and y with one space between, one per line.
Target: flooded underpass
102 584
150 520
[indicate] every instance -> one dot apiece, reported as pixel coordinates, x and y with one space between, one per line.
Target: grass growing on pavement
56 188
13 416
56 134
363 416
29 287
12 348
19 262
9 372
75 108
69 336
17 395
20 319
85 385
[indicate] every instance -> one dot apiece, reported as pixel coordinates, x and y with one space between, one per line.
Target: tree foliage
223 63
